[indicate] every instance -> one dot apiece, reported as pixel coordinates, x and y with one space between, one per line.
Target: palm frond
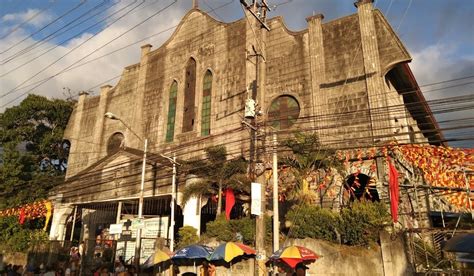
239 182
200 188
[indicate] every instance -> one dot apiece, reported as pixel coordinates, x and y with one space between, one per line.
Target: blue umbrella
192 252
195 253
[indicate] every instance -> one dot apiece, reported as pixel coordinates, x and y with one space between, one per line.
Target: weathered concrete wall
387 260
346 106
354 261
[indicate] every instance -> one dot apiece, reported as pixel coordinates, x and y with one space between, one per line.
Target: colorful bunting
440 166
30 211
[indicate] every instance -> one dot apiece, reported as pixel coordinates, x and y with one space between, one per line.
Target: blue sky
437 33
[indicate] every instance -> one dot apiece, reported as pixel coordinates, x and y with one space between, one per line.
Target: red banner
229 202
394 191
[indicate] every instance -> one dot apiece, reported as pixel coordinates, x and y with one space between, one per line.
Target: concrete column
99 123
76 117
317 67
192 209
374 79
138 120
58 222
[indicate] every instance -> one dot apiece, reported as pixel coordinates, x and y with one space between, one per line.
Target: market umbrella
230 250
194 254
157 257
293 255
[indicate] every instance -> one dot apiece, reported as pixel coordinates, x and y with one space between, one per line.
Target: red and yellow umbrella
230 250
293 255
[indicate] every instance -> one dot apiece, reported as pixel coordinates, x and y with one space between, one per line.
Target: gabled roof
152 159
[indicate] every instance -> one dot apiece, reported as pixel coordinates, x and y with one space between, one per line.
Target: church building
347 80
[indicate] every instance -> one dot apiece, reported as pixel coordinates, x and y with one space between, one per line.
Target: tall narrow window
206 104
171 112
189 96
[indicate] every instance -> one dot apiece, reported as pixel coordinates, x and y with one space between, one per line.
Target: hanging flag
49 209
394 192
22 216
229 202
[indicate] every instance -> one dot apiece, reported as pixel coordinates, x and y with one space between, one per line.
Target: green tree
306 156
216 173
37 124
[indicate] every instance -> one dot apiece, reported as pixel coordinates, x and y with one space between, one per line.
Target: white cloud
442 62
96 72
439 63
32 17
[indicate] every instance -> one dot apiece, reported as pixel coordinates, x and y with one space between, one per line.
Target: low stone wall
387 260
13 258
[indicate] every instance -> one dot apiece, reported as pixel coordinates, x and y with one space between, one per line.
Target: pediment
123 157
391 49
113 177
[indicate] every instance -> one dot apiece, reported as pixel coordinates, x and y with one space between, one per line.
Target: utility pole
258 10
276 211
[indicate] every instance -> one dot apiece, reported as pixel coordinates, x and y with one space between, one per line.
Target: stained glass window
206 104
283 112
171 112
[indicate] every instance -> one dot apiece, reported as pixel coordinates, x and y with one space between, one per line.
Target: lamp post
173 199
112 116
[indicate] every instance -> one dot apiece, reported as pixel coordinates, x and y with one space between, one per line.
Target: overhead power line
91 53
47 25
66 26
69 38
17 27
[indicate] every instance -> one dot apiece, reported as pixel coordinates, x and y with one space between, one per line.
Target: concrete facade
349 77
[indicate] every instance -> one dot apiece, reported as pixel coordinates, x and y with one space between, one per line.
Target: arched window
114 143
358 186
171 112
206 104
189 96
283 112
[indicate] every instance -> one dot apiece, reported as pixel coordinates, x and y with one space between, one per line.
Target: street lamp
173 199
112 116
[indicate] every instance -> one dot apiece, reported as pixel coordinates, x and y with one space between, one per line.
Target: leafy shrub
362 223
187 236
310 221
19 238
246 227
224 230
220 229
358 225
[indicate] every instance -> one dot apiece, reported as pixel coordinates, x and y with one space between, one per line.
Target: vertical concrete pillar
317 67
374 79
138 119
76 118
192 208
58 221
99 123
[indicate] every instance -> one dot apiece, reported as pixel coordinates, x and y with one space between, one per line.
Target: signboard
256 193
116 228
138 223
151 229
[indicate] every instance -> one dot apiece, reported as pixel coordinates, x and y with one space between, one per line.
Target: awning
460 243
